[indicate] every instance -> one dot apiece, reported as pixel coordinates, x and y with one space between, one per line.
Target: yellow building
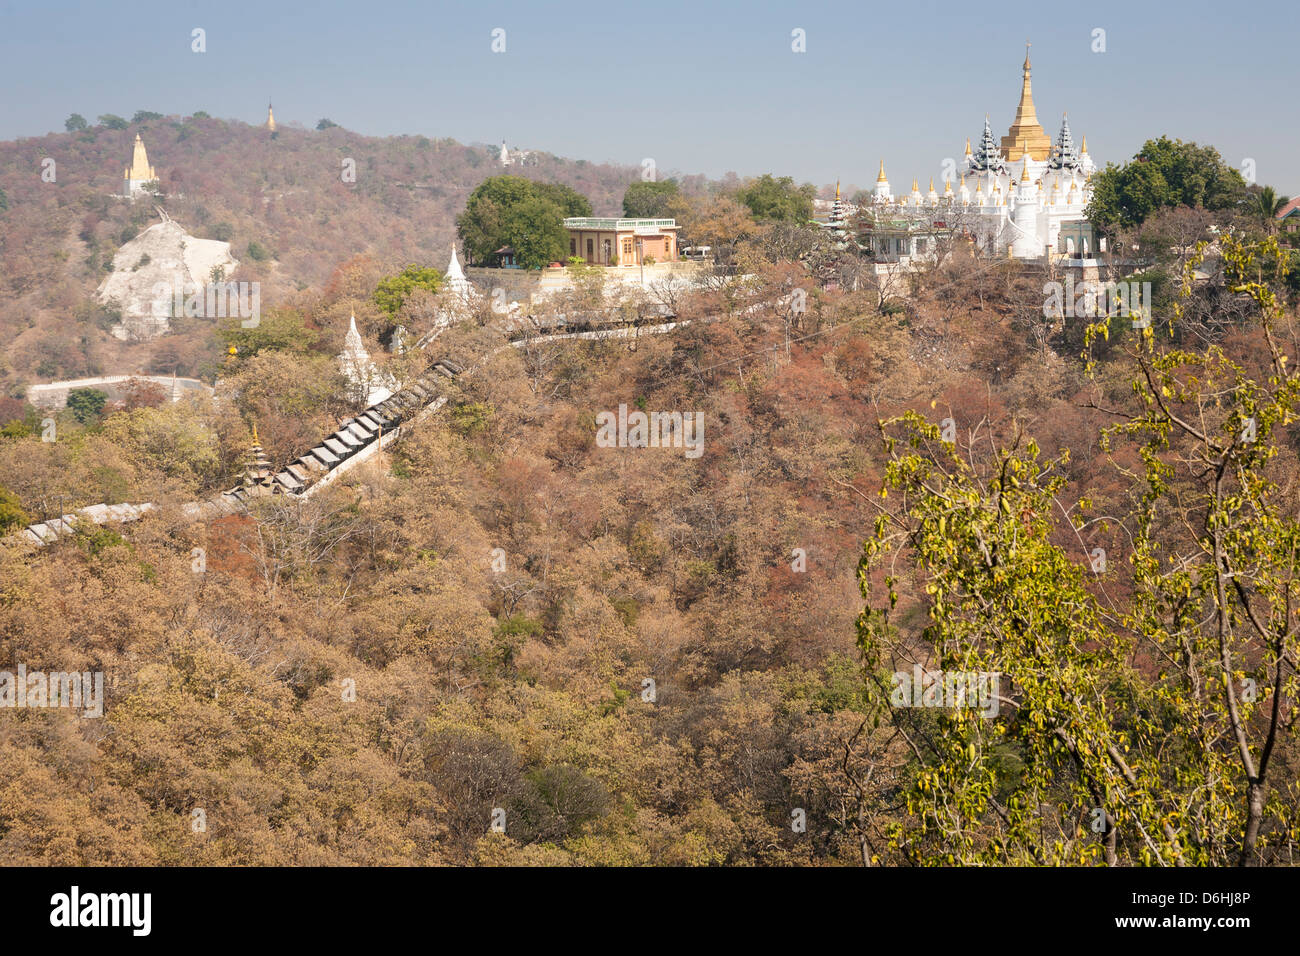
622 242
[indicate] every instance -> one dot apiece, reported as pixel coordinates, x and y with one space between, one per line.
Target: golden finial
915 187
881 178
270 118
837 189
931 184
255 441
1085 144
967 145
947 187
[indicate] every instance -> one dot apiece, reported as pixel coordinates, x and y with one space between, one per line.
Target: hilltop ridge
279 199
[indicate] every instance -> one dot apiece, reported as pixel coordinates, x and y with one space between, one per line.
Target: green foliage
12 514
1165 173
222 231
517 212
570 202
257 252
539 237
1265 203
144 116
202 114
325 124
113 121
649 200
1156 702
470 418
95 539
75 123
86 404
391 292
280 329
778 200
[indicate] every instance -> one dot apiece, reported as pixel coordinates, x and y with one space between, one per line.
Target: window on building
573 247
590 255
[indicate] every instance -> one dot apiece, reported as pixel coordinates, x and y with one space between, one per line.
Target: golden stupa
139 171
1026 135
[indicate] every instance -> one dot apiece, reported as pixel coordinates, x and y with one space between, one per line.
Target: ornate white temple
1024 197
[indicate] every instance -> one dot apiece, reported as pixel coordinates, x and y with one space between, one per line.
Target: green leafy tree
113 121
779 200
1143 721
650 200
86 404
12 514
144 116
391 292
75 123
202 114
325 124
514 211
1165 173
537 234
1265 204
570 202
278 330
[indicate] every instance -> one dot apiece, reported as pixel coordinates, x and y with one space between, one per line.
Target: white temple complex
1023 198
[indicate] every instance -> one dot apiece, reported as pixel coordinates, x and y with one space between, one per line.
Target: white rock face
175 260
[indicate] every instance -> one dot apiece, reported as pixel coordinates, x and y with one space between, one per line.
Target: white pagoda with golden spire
139 173
1028 198
270 118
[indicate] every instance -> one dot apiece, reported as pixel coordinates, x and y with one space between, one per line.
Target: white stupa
365 381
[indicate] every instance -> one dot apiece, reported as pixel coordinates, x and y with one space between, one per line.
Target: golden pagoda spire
1085 144
881 178
140 170
1026 132
915 188
967 145
947 187
270 118
837 189
931 184
255 441
1024 158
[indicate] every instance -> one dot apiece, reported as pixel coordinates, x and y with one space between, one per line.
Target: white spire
352 341
454 273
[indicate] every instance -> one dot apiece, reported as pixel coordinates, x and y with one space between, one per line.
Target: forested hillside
280 199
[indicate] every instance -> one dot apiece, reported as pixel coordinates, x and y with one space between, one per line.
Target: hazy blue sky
699 86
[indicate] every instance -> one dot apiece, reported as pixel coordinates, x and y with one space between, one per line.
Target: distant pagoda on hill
139 173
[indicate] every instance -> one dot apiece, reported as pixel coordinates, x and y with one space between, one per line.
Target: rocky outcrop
154 270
